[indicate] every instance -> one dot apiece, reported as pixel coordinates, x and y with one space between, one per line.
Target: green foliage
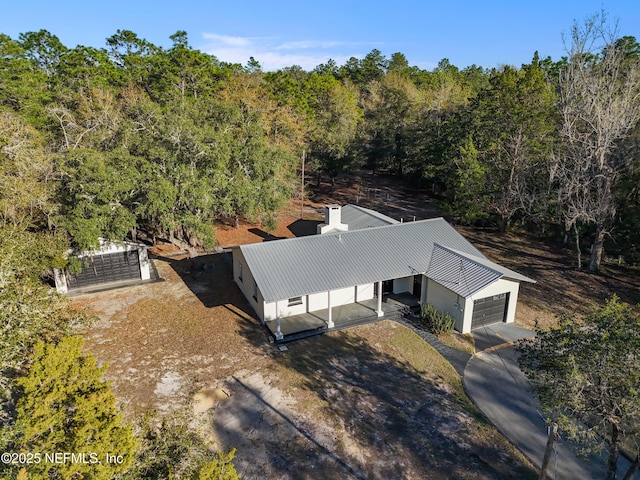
470 201
587 375
29 311
220 468
336 116
168 448
64 405
514 119
26 172
170 140
435 321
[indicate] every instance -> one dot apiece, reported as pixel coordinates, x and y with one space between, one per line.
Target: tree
28 310
27 177
336 116
600 104
168 448
469 198
587 376
43 49
513 125
64 405
98 195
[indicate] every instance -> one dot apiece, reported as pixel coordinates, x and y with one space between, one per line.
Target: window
295 301
240 273
255 291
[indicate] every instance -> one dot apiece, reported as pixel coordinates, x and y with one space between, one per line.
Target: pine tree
65 405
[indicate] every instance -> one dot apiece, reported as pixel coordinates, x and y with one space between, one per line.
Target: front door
417 285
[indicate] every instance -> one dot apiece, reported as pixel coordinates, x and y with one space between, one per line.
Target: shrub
169 448
435 321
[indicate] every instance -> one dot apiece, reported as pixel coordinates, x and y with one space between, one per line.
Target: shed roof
357 217
300 266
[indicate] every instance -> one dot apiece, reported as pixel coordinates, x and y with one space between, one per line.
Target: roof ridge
347 233
505 270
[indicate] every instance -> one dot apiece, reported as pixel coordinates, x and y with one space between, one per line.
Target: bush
435 321
169 448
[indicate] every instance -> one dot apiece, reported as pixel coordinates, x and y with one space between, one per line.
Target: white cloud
227 40
274 55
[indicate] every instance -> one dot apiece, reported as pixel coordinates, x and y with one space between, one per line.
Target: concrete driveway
493 380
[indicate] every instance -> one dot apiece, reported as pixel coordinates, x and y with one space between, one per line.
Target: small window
295 301
240 273
255 291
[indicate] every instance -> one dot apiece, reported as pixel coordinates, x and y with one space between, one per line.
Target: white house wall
364 292
318 301
461 309
247 282
447 301
402 285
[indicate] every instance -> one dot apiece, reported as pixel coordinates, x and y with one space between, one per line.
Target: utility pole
551 440
302 186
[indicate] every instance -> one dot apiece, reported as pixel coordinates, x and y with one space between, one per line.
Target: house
360 255
113 264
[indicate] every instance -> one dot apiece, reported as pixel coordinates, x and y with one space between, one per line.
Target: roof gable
466 274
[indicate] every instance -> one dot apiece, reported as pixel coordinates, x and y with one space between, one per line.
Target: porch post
279 335
330 321
379 310
423 290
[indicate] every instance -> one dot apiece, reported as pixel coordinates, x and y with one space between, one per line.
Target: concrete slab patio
343 316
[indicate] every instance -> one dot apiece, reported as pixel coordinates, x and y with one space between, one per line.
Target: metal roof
300 266
357 217
460 273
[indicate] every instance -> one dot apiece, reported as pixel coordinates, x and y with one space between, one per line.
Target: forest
134 138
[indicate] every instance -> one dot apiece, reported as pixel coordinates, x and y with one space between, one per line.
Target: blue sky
284 33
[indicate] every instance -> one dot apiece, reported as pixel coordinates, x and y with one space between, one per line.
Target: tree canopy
587 376
135 137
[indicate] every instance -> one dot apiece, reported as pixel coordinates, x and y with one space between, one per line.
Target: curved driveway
495 383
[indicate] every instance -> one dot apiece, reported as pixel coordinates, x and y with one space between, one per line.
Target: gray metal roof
484 261
461 274
299 266
357 217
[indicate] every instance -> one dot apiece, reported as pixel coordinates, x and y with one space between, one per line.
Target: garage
113 267
489 310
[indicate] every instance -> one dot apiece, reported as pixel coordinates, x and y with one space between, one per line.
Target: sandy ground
346 405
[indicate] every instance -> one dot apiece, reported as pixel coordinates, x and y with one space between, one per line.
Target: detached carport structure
428 259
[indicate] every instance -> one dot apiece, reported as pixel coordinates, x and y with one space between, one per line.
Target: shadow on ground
382 419
210 279
266 236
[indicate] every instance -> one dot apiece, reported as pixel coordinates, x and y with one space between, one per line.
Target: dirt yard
376 402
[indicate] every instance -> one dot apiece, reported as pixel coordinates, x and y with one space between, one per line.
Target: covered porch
393 305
